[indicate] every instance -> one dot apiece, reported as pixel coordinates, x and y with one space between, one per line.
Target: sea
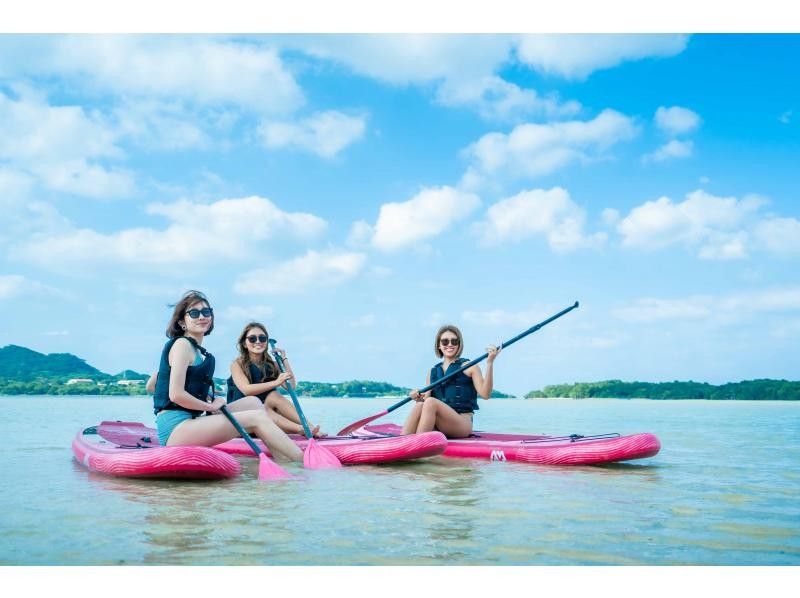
724 490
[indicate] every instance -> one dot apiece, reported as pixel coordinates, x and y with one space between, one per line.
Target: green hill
20 363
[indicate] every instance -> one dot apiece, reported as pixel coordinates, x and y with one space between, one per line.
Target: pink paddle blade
362 422
317 456
269 470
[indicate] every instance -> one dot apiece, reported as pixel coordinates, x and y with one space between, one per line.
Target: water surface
723 491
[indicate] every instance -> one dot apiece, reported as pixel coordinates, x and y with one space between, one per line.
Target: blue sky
355 192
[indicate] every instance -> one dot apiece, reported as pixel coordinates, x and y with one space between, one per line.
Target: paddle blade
268 470
317 456
362 422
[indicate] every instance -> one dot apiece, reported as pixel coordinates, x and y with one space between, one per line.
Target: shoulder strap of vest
197 346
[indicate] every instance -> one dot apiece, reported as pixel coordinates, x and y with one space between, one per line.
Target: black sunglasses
206 312
449 341
261 338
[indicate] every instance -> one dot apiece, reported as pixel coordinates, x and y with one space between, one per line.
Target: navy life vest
199 379
256 377
459 391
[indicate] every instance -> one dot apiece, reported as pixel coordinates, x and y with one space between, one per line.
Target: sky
355 192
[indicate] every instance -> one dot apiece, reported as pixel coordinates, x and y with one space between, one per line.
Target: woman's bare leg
287 417
412 421
439 416
215 429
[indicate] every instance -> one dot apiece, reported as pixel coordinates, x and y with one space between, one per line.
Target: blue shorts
167 421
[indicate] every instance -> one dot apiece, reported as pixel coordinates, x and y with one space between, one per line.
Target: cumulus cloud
198 233
779 235
462 69
424 216
731 307
63 147
670 150
15 285
313 270
546 213
576 56
324 133
676 120
197 69
532 150
248 312
713 225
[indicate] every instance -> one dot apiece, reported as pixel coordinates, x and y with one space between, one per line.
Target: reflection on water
716 494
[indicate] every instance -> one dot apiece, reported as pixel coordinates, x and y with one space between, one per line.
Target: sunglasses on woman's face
449 341
206 312
261 338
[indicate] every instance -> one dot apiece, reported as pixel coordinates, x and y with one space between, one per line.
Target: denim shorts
167 421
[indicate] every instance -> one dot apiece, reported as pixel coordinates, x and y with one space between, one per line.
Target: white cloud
785 117
365 321
426 215
313 270
576 56
61 147
502 317
779 235
670 150
496 99
712 224
676 120
461 67
198 233
163 125
248 312
548 213
324 133
533 150
729 308
198 69
15 285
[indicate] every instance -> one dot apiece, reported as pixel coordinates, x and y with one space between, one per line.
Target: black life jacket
256 377
459 391
199 379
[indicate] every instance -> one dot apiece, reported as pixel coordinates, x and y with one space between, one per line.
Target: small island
747 390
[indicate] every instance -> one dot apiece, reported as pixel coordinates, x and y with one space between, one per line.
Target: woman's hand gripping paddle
268 470
315 456
362 422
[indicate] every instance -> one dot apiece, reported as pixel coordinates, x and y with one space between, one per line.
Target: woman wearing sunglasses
449 407
185 380
255 379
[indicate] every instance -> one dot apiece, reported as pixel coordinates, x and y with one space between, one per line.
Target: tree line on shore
747 390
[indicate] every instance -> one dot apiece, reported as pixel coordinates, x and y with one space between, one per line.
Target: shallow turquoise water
723 491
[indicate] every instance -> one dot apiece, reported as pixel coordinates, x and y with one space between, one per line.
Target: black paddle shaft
242 432
468 365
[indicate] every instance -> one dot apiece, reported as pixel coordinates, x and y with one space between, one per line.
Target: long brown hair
174 329
454 330
269 369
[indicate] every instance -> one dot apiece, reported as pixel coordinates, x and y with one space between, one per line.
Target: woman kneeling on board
255 379
185 379
449 407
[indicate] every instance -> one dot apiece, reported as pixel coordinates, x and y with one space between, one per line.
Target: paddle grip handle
468 365
295 400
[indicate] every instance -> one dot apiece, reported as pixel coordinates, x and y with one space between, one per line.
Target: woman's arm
150 386
181 356
484 385
252 389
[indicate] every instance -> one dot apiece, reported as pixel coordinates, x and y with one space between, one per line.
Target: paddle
315 456
354 426
267 468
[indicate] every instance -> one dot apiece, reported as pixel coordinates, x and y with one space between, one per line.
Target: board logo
497 456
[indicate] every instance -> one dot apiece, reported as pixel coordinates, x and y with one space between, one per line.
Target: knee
430 404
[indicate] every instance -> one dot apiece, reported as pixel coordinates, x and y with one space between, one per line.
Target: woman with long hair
255 379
